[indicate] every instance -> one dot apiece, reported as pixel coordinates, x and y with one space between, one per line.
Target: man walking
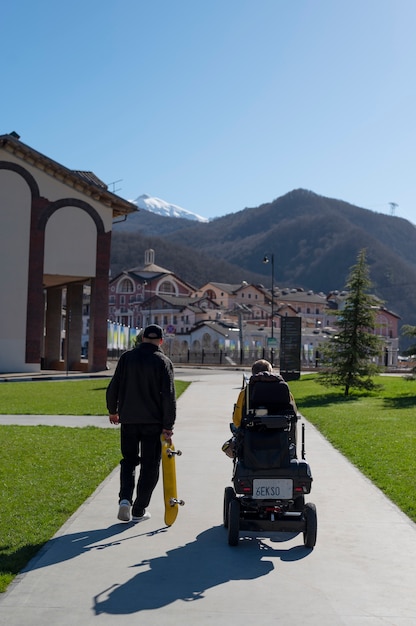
141 397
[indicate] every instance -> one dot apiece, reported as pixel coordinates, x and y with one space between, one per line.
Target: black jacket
142 390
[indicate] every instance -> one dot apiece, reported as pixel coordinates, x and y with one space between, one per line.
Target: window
125 286
167 287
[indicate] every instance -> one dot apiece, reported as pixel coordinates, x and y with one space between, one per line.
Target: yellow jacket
239 408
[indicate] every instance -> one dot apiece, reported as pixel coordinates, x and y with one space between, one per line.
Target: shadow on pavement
189 570
70 546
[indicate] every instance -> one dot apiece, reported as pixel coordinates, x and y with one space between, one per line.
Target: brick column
97 353
35 298
53 324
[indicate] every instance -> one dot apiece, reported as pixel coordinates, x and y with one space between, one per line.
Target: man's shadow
186 572
67 547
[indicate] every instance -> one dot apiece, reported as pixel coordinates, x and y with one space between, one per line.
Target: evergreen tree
347 357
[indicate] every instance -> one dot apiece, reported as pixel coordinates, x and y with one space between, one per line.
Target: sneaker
141 518
124 511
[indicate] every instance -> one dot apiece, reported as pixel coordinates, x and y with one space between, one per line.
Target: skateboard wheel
171 452
174 501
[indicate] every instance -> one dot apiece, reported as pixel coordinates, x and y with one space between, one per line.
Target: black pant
140 445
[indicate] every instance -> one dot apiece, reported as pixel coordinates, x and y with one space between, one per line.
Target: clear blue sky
218 105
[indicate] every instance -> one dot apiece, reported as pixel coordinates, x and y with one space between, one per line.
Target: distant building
133 293
228 319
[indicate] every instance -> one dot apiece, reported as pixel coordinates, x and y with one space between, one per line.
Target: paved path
362 571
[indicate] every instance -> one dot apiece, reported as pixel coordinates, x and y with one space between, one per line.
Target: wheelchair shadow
186 572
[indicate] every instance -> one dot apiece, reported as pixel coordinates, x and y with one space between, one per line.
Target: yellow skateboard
169 481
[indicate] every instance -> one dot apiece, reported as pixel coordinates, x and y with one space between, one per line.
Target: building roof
245 285
148 271
337 298
85 182
227 287
90 177
187 300
383 309
219 327
294 295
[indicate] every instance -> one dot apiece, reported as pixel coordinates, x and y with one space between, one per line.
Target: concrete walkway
96 570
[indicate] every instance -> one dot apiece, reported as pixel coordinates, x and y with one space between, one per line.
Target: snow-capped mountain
166 209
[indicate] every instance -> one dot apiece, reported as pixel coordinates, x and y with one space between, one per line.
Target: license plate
272 488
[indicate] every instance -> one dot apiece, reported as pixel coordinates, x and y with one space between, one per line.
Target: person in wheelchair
269 479
266 393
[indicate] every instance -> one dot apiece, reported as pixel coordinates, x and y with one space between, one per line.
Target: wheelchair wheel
311 525
233 522
229 494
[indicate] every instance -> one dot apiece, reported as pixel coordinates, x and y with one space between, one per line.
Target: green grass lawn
47 472
67 397
375 430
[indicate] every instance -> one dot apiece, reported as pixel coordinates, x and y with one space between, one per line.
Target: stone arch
97 275
70 202
27 176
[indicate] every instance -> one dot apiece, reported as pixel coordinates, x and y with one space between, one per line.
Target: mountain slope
150 224
299 213
193 266
315 240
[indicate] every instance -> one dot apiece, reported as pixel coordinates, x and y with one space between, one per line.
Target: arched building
55 236
134 295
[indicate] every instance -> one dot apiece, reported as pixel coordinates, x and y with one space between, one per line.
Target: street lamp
269 258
